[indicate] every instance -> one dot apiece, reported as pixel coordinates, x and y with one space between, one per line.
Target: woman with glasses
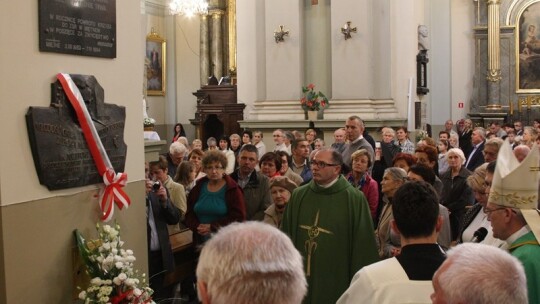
456 194
475 216
393 178
215 201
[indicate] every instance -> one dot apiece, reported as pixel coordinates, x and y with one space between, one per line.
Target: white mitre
515 184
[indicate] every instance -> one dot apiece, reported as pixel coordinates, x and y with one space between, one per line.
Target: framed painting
155 64
528 50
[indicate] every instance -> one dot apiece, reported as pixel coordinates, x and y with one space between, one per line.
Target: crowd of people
372 220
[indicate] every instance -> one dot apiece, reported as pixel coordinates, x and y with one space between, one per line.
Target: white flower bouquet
149 122
111 268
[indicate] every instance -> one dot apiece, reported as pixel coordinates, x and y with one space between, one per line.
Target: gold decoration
513 199
311 245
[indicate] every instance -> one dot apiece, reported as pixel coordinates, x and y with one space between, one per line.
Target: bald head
521 152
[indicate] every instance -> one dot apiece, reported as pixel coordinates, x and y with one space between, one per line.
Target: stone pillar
494 60
216 51
204 57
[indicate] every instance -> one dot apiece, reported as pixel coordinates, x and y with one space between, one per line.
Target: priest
330 224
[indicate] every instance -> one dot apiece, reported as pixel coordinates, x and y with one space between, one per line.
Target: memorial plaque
61 155
80 27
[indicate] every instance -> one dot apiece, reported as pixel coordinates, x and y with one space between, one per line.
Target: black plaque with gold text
61 155
80 27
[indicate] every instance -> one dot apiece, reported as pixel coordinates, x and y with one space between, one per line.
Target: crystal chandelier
188 7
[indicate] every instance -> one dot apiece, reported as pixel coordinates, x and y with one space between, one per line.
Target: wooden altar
218 112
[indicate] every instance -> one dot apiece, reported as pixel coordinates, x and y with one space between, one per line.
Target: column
216 50
494 69
204 51
231 7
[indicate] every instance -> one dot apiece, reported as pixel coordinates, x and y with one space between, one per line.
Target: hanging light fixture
188 8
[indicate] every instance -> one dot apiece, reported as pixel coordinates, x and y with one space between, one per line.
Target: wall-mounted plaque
61 155
80 27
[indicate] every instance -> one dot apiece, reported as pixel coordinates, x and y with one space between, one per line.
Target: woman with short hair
456 194
215 201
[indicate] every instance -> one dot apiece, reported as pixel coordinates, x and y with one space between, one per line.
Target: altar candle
529 102
511 107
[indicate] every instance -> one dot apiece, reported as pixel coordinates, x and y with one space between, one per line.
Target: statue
423 40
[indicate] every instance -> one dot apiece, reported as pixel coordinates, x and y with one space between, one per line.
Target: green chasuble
333 230
527 250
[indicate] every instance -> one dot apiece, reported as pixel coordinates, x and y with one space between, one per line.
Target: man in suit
476 158
160 213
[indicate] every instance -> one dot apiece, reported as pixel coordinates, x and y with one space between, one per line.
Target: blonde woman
530 135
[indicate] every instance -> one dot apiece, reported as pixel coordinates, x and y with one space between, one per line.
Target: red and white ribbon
114 182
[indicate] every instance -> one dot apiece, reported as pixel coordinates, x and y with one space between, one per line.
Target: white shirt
386 282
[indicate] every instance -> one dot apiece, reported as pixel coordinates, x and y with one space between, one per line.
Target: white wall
27 74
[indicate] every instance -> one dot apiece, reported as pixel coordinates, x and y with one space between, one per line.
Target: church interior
414 63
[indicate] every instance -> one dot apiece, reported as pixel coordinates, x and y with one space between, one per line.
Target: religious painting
528 50
155 64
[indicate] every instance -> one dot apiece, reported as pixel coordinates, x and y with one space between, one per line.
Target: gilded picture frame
528 49
156 69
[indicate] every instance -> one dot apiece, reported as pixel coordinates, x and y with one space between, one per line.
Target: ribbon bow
113 193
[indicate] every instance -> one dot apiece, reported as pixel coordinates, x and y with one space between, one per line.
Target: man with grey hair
491 149
177 152
521 152
339 140
329 222
354 128
250 262
476 157
512 211
479 273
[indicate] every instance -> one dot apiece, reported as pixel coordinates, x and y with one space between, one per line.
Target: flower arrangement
149 122
111 268
313 101
421 135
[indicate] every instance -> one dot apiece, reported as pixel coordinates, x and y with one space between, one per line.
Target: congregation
403 212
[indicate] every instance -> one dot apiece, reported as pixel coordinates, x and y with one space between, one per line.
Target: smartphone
377 145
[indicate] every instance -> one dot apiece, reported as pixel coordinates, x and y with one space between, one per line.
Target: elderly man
405 278
511 209
250 262
478 273
339 140
448 127
330 224
521 152
255 185
354 128
177 152
491 149
476 157
279 140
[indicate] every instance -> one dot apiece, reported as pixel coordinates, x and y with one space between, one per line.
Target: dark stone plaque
80 27
60 152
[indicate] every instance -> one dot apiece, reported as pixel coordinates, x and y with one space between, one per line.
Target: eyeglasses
488 211
322 164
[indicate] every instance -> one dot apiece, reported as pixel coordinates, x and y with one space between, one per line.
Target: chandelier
188 8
